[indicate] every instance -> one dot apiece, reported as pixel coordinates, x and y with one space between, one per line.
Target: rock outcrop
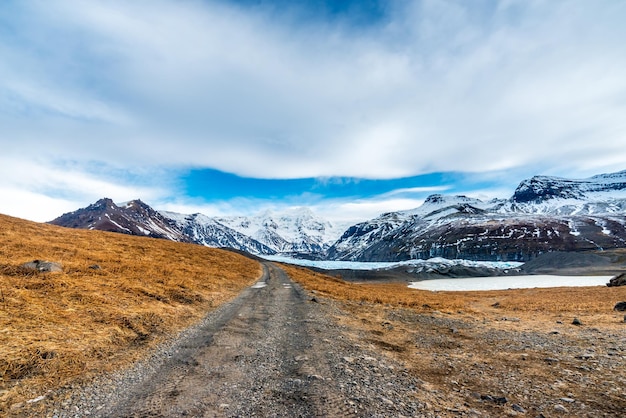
43 266
619 280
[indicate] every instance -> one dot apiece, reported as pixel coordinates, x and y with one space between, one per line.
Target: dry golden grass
531 303
59 328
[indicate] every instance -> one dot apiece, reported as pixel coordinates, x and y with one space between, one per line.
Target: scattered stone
510 319
560 408
16 406
576 321
348 359
454 330
620 307
301 358
496 305
500 400
37 399
551 360
387 325
568 400
314 300
387 401
518 408
586 356
43 266
95 267
619 280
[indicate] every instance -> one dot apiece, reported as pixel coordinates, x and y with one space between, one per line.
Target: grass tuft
63 328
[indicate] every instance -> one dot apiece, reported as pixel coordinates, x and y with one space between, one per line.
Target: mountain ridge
544 214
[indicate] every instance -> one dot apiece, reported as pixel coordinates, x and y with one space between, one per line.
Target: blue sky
353 108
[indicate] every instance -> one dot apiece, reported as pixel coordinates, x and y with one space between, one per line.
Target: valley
227 340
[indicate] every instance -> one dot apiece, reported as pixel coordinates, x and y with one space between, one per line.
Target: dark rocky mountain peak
133 218
545 214
541 188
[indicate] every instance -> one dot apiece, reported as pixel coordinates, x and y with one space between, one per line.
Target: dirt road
272 352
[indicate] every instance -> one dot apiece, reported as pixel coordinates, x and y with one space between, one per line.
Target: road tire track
271 352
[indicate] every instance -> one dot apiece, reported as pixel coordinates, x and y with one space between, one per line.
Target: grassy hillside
117 296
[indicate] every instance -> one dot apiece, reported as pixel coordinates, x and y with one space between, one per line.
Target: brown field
518 344
58 329
532 303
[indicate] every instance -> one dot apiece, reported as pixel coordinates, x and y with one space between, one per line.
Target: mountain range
297 232
544 214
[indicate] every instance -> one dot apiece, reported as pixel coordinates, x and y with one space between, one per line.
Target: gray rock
560 408
620 307
619 280
576 321
44 266
518 408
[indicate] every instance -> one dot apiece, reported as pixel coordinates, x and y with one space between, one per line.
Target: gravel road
272 352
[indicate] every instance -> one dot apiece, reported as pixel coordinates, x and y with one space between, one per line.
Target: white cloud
439 86
36 190
412 190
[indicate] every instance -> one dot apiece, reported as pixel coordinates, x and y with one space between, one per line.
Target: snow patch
509 282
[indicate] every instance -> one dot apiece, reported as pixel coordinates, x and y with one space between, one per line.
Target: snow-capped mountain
544 214
297 231
204 230
133 218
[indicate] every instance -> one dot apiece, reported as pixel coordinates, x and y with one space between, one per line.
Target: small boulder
619 280
561 408
620 307
576 321
43 266
518 408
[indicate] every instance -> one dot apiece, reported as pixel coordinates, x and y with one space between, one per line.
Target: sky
352 108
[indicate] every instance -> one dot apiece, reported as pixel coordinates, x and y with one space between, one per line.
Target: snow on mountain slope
544 214
207 231
134 218
297 231
356 243
604 193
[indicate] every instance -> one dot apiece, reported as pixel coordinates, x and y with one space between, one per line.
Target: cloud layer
431 86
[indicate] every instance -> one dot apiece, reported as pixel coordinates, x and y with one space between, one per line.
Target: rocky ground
278 351
492 365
